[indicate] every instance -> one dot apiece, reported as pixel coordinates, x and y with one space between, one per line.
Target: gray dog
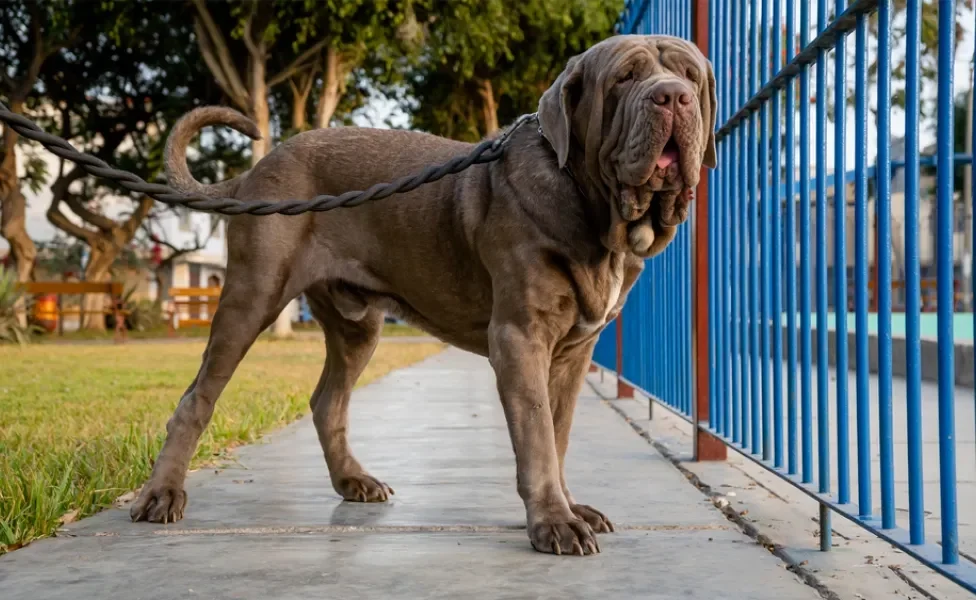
523 260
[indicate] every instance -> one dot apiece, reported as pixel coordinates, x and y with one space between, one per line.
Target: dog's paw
594 518
363 488
159 504
572 536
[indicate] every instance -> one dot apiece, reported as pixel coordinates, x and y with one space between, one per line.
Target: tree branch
94 219
131 225
252 47
298 64
220 54
210 58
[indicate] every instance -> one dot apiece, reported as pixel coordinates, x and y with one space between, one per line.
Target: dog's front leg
521 363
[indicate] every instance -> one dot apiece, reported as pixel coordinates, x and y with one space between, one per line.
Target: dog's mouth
663 180
669 155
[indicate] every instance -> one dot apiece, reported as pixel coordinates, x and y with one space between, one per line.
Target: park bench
192 298
59 289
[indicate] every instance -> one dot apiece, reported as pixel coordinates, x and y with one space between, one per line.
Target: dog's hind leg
349 346
248 304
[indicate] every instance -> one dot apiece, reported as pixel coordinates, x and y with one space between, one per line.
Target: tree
236 41
358 34
115 94
30 33
241 44
488 61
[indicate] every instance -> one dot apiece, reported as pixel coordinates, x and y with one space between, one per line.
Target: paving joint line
374 529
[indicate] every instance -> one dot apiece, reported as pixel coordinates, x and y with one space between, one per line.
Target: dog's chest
605 300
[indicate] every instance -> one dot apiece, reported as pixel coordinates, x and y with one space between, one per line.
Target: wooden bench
192 298
113 289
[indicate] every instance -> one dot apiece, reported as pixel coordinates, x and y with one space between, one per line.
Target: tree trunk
489 109
333 84
98 270
299 104
13 205
13 213
260 148
260 110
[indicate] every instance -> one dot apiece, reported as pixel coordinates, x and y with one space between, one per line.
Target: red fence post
623 389
707 446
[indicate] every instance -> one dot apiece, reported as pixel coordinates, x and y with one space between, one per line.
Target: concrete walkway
272 527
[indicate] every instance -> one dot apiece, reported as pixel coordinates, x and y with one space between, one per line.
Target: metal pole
707 446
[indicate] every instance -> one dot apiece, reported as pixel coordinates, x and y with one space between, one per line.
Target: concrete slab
859 565
271 525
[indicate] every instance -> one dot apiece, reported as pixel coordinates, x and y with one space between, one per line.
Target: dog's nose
667 93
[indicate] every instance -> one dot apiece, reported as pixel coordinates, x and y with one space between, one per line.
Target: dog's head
640 112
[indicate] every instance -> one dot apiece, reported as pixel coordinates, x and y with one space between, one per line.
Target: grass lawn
389 330
81 425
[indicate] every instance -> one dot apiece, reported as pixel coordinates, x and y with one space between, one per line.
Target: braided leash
485 152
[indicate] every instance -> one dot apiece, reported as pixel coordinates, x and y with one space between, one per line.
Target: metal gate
739 324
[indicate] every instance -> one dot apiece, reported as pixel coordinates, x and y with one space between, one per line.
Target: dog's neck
586 213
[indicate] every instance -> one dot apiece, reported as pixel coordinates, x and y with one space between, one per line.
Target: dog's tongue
667 157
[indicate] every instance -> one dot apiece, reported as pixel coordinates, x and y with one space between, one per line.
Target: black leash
485 152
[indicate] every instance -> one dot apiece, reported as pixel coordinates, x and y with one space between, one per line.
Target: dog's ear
709 109
556 108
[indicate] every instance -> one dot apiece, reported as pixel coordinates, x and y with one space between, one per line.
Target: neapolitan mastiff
523 260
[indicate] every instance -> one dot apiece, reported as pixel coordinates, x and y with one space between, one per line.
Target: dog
523 260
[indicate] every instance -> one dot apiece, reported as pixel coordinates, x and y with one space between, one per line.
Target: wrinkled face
640 110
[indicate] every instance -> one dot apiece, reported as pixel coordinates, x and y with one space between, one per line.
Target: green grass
389 330
81 425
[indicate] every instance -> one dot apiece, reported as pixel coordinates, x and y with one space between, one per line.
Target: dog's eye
628 77
692 74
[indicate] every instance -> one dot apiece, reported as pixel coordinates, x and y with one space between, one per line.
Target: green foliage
519 47
928 65
121 88
372 38
12 300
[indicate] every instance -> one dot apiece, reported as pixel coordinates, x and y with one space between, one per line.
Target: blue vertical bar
689 322
823 395
885 428
764 257
685 300
735 245
725 235
806 347
744 241
861 269
945 284
913 347
775 323
840 263
790 260
754 229
714 418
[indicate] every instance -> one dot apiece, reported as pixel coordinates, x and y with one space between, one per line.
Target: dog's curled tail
178 173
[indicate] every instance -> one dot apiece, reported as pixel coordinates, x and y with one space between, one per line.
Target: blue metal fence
777 405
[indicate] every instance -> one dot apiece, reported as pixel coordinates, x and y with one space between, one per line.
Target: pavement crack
911 582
